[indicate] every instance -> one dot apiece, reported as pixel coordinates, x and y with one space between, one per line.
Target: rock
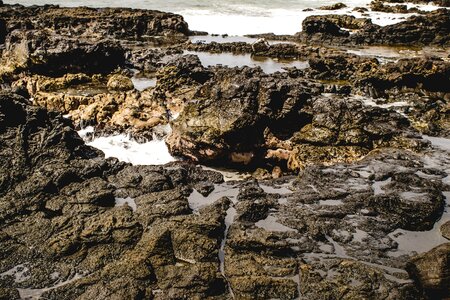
431 270
43 53
119 82
92 22
335 6
445 230
425 29
348 278
3 31
132 111
233 136
402 9
259 128
261 45
315 24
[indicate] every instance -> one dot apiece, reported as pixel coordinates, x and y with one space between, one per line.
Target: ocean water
238 17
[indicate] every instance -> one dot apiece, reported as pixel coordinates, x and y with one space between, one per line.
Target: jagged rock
275 115
40 52
261 45
233 109
94 22
431 270
425 29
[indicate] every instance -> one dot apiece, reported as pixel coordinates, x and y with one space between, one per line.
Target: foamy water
241 17
122 147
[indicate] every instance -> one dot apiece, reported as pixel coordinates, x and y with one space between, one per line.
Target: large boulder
228 113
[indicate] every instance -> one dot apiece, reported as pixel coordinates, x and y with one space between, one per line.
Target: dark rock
46 54
89 22
431 270
335 6
3 31
425 29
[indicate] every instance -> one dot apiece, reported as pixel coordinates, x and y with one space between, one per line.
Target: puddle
228 175
197 201
126 201
208 39
438 142
282 190
271 224
268 65
377 186
331 202
34 294
339 251
359 235
398 104
20 273
142 83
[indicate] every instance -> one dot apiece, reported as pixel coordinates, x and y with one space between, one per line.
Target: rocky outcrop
242 115
231 111
113 105
40 52
398 8
93 22
425 29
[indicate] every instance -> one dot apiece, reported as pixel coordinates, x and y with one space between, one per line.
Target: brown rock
432 271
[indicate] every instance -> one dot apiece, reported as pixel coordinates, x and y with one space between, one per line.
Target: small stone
277 172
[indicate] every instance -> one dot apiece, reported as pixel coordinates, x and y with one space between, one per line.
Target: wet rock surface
349 199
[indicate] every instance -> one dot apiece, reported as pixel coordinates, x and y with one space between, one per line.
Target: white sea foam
122 147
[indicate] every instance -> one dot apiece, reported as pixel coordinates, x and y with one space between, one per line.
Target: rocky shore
345 141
